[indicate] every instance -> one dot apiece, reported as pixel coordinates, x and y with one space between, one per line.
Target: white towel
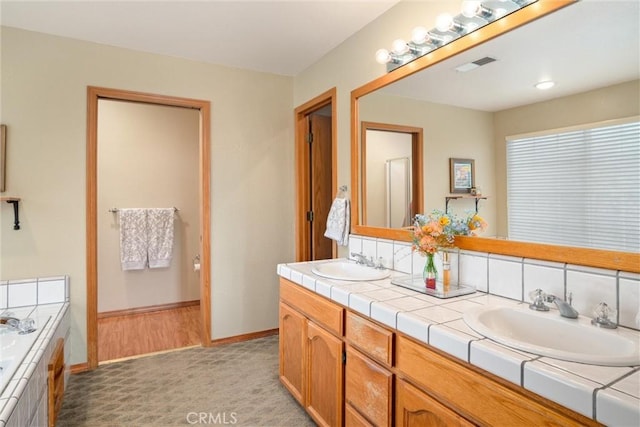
339 221
160 236
133 238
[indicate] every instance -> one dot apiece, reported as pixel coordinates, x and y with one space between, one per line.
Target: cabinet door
293 331
353 419
368 388
415 409
324 376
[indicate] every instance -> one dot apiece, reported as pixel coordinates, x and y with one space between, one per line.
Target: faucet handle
602 319
538 297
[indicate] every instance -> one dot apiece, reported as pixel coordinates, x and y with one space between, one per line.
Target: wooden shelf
462 196
15 202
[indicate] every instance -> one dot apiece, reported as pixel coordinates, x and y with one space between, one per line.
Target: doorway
316 178
94 95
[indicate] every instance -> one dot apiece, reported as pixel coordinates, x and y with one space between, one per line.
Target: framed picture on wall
461 176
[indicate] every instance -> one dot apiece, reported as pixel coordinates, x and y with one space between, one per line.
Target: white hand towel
133 238
160 236
339 221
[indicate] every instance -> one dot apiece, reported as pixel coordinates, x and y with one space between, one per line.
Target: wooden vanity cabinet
292 342
368 375
479 397
368 389
414 408
390 379
324 376
311 352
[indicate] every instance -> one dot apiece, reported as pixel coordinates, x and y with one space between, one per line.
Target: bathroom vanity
372 353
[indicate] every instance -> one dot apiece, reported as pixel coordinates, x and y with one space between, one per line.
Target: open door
315 175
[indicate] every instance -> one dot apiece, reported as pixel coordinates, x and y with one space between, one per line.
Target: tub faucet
566 309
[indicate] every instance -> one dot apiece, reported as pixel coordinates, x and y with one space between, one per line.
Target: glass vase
430 273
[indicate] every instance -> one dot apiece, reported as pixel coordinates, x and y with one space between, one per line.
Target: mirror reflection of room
471 113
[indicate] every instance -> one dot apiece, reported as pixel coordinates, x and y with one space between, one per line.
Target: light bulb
470 8
399 47
383 56
419 35
444 22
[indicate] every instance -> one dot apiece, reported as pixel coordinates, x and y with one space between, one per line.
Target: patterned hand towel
133 238
160 236
339 221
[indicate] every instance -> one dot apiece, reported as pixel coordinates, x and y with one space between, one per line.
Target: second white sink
549 334
344 270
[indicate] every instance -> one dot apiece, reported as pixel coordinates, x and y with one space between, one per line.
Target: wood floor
136 334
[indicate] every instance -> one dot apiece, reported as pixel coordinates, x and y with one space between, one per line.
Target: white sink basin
549 334
344 270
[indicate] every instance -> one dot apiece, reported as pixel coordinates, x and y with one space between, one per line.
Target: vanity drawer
371 339
474 394
314 306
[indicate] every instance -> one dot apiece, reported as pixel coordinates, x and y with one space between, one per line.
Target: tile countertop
610 395
47 317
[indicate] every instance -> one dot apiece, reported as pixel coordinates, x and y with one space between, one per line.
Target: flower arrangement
437 231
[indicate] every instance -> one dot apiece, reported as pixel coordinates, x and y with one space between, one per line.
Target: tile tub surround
23 401
606 394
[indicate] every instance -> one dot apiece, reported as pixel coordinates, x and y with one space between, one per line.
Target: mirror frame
614 260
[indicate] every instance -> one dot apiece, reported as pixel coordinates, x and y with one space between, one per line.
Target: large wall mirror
590 48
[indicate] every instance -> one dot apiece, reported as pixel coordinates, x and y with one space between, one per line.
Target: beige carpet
233 384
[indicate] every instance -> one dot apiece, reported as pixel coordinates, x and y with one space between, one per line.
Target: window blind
577 187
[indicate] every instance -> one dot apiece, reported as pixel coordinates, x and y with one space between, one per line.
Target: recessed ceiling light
545 85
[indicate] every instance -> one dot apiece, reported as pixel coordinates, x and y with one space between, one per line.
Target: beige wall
44 84
608 103
147 157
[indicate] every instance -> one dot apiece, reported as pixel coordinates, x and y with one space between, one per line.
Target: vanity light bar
475 14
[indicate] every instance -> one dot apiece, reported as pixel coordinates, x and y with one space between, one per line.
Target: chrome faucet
565 308
363 260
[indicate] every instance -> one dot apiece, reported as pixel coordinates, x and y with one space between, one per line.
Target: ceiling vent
475 64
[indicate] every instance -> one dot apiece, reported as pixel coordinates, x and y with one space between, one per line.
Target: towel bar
117 209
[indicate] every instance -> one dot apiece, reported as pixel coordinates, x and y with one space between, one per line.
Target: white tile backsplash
3 295
384 253
629 305
590 287
51 291
474 269
505 276
355 245
369 247
515 278
402 257
22 294
549 277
